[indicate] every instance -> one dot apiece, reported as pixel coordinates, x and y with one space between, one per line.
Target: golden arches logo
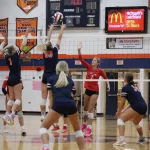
116 15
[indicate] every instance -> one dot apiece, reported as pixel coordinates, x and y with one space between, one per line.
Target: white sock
7 113
84 122
55 124
13 112
45 145
65 125
22 127
43 113
141 137
121 138
89 126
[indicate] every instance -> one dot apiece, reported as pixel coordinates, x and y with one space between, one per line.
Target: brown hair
129 77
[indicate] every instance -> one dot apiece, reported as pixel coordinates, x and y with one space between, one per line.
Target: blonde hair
62 69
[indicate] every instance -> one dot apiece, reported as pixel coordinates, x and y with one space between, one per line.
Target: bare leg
74 119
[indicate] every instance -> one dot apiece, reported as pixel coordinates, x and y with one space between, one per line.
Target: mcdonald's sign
116 17
126 19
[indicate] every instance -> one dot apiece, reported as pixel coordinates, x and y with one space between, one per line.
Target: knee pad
79 133
10 102
137 126
90 115
20 114
17 102
85 113
43 101
65 115
43 131
120 122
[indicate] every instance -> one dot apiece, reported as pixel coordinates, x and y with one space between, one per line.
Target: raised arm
51 27
63 26
2 45
80 56
24 42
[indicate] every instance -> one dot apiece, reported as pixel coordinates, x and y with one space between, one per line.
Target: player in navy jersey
92 90
61 86
12 57
136 111
50 56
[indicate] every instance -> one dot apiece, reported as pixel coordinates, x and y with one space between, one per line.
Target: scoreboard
77 13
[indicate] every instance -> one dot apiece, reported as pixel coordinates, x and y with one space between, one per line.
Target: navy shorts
90 93
13 80
61 107
46 76
141 108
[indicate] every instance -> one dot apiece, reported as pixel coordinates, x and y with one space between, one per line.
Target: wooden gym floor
104 135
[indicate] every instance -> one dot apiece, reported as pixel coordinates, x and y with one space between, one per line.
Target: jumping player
61 86
12 57
20 113
50 56
92 90
136 111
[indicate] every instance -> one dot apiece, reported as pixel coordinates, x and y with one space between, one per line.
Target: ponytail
62 80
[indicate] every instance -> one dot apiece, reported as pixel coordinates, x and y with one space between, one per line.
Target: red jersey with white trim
92 74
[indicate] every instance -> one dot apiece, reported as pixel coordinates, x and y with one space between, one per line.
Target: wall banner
124 43
21 26
27 5
4 29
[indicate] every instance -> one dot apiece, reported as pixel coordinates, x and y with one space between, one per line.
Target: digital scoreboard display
77 13
126 20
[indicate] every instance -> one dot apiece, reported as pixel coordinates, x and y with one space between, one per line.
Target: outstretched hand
80 45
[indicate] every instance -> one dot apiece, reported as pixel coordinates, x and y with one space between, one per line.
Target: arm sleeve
4 85
102 73
124 92
84 63
56 47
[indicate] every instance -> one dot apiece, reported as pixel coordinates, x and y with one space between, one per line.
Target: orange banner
27 5
4 29
21 26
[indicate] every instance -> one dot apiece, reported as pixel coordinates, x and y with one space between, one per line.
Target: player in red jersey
92 90
9 107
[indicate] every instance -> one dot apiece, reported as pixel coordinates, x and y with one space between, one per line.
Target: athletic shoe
83 127
4 130
42 118
55 129
11 118
6 119
65 129
120 143
88 132
141 141
23 132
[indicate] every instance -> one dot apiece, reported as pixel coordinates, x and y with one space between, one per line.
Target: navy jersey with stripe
15 68
132 94
64 93
50 60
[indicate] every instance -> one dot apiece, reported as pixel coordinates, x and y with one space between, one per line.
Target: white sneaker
4 130
141 141
42 118
120 143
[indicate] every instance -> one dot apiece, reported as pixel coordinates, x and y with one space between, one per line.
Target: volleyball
58 17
